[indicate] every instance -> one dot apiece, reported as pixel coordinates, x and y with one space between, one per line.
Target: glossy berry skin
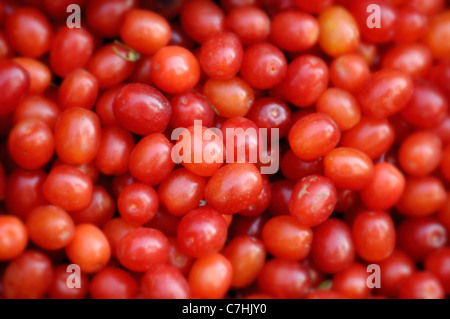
145 31
6 51
445 164
293 30
412 24
348 168
114 151
421 236
284 279
427 107
142 248
142 109
67 188
286 238
14 82
436 33
29 23
313 136
250 23
150 159
202 232
188 107
177 257
233 187
437 263
210 277
31 136
313 200
77 135
78 89
313 7
263 66
89 248
40 74
58 288
422 196
164 282
429 8
349 72
339 33
28 276
247 256
37 107
394 270
413 59
384 189
100 210
332 248
175 69
71 49
14 237
271 113
371 136
181 192
89 169
306 79
221 56
113 283
50 227
137 203
381 242
201 19
23 191
114 229
352 282
341 106
443 129
114 58
262 202
444 213
422 285
105 17
231 98
420 153
385 93
104 105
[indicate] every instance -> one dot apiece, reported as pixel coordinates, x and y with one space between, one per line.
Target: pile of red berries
93 203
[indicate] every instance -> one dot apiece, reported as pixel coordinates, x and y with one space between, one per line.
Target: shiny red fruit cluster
355 93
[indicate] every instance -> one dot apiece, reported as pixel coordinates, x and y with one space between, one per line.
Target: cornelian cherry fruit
225 149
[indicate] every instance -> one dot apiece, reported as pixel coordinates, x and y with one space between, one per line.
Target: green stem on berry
132 56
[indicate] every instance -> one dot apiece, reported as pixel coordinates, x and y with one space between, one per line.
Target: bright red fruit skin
313 200
142 109
233 187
